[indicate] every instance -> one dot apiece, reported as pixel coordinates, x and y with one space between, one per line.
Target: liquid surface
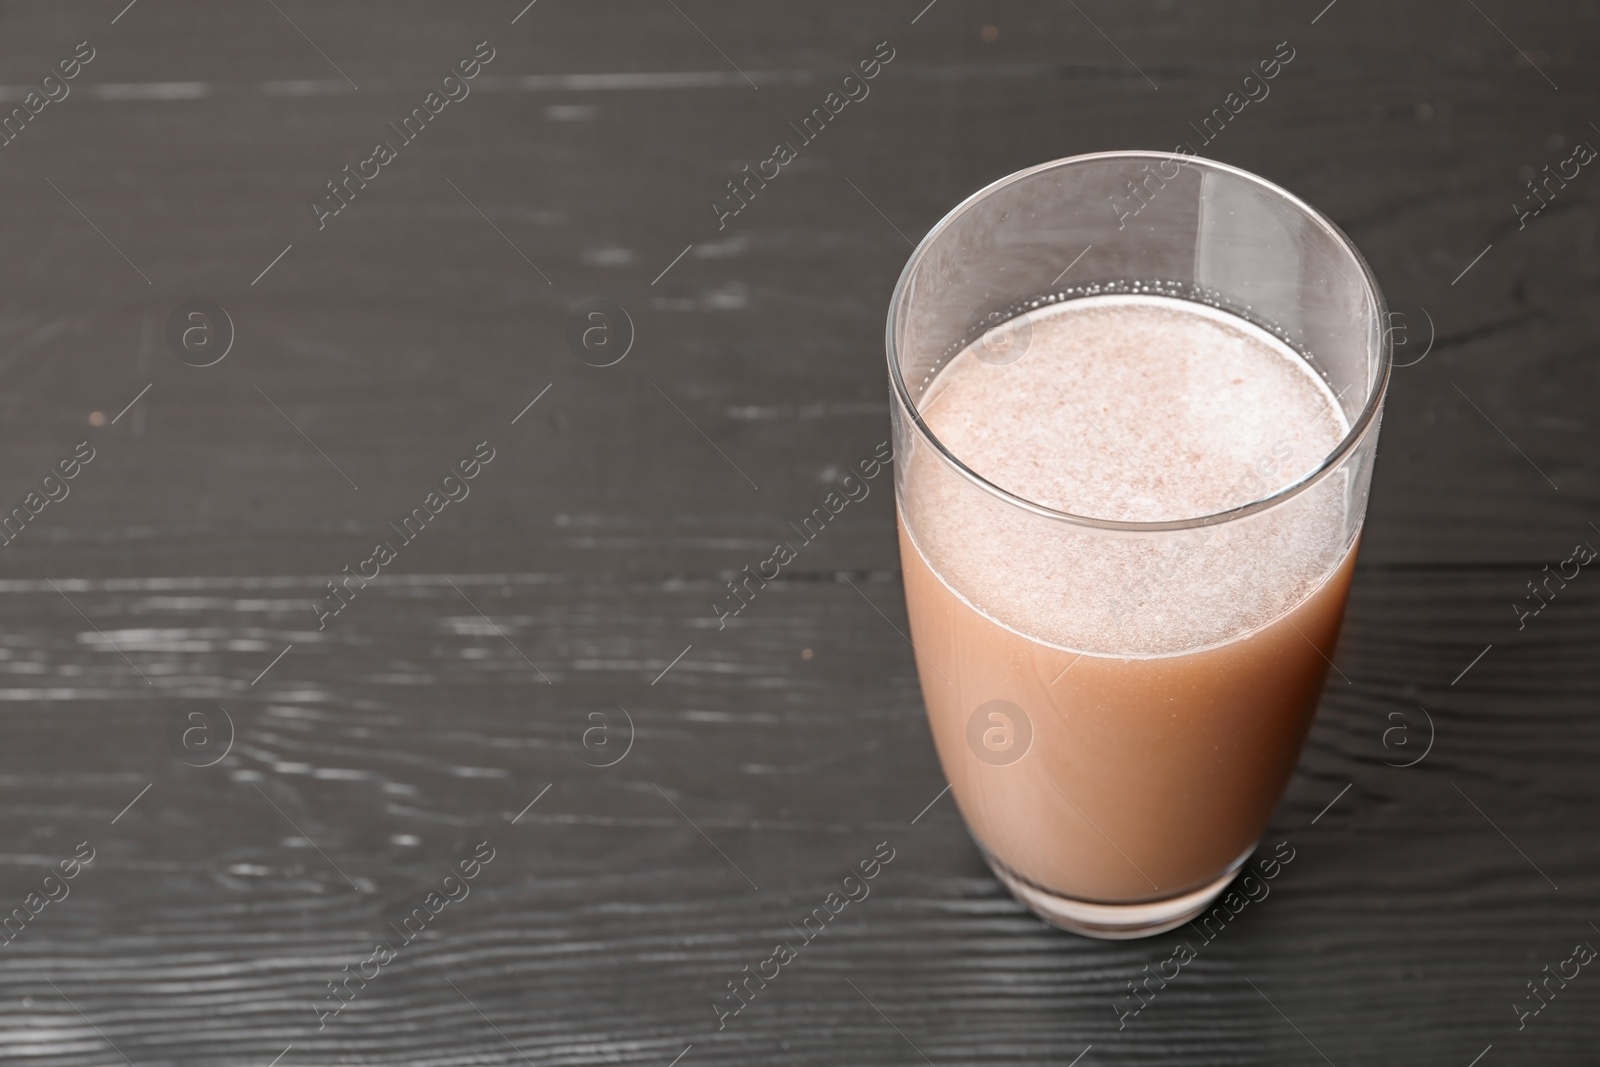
1139 409
1130 408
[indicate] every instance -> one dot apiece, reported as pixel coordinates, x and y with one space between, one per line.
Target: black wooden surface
775 754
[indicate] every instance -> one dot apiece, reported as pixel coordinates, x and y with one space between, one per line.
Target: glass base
1114 922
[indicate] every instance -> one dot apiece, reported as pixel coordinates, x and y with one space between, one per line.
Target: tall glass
1115 786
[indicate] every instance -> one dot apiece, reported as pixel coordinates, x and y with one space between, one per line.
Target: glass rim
1335 457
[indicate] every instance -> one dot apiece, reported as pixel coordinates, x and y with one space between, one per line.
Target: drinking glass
1116 790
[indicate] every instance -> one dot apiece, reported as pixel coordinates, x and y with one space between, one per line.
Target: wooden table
450 702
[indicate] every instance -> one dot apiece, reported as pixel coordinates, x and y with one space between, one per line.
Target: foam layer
1132 408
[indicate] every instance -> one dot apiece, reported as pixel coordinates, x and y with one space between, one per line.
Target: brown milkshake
1119 709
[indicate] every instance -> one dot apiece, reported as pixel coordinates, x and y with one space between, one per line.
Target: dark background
456 688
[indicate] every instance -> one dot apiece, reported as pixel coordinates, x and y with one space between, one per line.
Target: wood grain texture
454 691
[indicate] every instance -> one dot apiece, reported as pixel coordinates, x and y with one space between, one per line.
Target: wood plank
371 755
